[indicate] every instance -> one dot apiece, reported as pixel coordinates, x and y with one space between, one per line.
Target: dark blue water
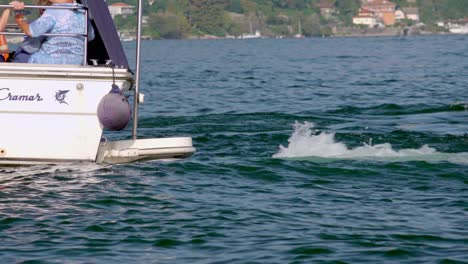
333 150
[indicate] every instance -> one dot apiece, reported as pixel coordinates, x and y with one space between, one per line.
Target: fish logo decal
61 95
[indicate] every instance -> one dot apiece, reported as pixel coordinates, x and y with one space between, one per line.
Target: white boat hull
48 114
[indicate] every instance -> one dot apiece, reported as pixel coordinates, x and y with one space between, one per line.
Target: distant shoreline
340 32
18 39
328 36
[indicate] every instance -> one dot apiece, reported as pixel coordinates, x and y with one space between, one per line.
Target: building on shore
121 8
327 9
411 13
399 14
384 10
365 17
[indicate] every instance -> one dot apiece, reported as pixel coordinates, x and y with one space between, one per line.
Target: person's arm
17 5
19 18
24 26
4 18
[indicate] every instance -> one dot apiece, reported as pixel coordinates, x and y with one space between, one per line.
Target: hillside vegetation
188 18
184 18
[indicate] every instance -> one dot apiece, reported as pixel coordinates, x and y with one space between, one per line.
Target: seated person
57 49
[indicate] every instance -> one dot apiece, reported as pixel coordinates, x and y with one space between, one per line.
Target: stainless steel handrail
74 7
78 6
46 34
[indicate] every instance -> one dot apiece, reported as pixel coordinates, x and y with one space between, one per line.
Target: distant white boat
127 39
458 29
251 36
299 33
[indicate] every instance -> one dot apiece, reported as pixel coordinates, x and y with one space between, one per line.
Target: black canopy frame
106 45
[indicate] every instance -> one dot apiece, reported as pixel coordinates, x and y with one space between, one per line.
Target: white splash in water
303 143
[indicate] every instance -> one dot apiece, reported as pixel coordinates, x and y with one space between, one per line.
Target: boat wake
77 169
304 144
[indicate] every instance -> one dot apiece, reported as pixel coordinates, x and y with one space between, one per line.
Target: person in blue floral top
57 49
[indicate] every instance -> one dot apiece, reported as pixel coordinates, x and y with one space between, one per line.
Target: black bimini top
106 44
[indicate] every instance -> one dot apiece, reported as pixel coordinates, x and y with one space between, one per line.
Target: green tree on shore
207 16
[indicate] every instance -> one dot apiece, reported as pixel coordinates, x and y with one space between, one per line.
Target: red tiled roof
379 3
363 10
120 4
